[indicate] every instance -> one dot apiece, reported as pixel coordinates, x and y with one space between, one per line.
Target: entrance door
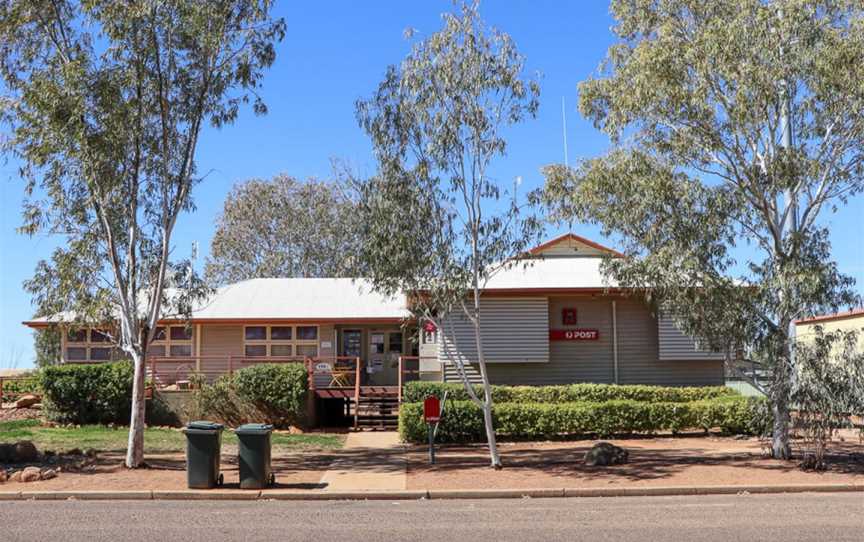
385 347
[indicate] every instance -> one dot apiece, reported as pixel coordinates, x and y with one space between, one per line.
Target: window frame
268 342
87 345
167 342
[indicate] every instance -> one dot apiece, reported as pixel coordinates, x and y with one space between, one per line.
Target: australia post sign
574 334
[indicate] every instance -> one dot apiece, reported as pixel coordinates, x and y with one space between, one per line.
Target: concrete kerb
439 494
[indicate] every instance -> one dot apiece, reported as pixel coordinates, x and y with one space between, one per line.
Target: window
280 341
173 341
395 342
282 333
88 345
307 333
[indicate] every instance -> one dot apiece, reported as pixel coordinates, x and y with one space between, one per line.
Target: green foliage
829 387
283 228
29 383
47 344
277 390
696 97
217 401
463 420
82 394
573 393
272 393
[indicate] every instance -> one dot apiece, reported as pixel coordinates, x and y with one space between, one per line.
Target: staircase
376 408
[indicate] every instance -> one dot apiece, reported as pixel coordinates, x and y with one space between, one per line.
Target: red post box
432 409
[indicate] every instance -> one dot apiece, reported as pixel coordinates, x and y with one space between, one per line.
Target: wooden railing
406 373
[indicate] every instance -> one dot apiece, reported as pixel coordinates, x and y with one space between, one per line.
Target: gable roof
571 244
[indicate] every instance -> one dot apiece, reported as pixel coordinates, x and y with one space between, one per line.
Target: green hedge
463 420
572 393
86 394
278 391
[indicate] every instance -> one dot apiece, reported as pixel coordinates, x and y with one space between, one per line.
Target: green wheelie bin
254 455
203 451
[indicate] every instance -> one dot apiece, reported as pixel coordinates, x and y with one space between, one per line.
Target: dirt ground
681 461
300 470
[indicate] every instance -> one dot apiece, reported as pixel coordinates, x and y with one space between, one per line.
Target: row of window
176 341
280 341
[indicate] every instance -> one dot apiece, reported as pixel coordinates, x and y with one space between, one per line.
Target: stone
24 451
48 474
75 451
31 474
6 452
604 454
3 476
26 401
90 452
15 476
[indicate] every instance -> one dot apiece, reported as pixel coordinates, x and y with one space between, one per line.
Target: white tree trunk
486 405
135 447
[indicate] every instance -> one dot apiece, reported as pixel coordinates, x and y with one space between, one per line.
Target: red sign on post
568 317
574 334
432 409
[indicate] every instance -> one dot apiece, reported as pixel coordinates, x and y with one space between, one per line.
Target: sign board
326 344
323 367
431 409
574 334
568 316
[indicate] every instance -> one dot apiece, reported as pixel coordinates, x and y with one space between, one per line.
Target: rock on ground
3 476
26 401
31 474
22 451
604 453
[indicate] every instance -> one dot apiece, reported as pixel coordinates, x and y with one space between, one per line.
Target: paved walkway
372 460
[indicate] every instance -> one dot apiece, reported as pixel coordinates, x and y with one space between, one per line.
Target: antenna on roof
564 129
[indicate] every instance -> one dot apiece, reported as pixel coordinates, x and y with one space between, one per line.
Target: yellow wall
848 323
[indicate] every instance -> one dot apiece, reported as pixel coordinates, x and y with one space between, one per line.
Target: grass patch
156 439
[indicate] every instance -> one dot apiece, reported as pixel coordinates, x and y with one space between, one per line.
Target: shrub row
102 393
83 394
270 393
463 420
572 393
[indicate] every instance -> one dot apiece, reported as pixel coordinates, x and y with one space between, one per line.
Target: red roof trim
573 237
42 324
830 317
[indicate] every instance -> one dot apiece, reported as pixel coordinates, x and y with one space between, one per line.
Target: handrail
357 394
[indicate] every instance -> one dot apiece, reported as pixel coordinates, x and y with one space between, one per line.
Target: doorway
385 347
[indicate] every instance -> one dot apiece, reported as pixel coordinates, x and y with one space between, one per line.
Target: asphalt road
783 518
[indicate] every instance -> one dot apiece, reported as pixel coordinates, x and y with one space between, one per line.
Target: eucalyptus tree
284 228
105 101
719 208
435 222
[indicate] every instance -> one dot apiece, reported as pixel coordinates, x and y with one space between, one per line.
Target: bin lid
254 429
203 424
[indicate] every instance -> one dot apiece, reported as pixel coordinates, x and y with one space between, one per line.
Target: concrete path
370 460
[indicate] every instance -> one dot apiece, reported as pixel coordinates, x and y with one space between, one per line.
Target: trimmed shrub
572 393
276 390
87 394
463 420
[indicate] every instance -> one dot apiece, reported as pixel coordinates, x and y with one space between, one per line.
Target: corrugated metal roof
301 298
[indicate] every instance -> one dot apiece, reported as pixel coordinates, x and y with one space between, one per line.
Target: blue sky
334 53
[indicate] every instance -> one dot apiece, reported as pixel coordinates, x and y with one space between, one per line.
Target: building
852 320
548 319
